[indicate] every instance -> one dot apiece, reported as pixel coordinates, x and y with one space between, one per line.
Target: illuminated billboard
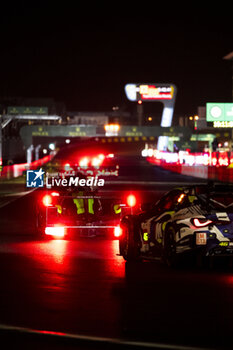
27 110
150 92
155 92
224 124
219 112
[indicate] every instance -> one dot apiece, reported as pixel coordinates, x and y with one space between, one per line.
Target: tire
199 260
129 248
40 225
211 262
169 251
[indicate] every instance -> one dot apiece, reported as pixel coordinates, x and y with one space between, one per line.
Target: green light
219 112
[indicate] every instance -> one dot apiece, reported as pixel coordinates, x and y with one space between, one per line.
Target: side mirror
146 206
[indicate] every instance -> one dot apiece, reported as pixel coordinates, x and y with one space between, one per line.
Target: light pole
140 112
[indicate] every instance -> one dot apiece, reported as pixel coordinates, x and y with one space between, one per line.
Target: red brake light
201 222
117 231
84 162
47 200
131 200
96 161
101 156
57 231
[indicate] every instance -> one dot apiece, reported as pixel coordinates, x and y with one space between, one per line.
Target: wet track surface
84 287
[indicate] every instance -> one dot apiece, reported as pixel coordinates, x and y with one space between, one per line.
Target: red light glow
47 200
214 161
67 166
131 200
84 162
96 161
203 223
101 156
117 231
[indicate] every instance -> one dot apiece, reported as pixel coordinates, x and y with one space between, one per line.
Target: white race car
193 220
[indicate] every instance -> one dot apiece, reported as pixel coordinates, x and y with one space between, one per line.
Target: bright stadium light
52 146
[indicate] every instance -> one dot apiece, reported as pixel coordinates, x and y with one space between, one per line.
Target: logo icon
216 112
35 178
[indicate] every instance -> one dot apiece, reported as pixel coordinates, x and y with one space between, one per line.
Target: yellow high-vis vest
80 204
117 209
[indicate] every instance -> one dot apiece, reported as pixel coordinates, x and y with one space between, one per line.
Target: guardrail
214 166
15 170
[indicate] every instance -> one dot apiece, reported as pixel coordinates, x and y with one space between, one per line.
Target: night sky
84 54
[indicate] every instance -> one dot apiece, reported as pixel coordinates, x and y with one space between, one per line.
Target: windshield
218 201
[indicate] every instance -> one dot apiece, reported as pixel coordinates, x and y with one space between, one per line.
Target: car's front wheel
40 225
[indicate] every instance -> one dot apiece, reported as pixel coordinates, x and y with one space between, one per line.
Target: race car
189 221
76 211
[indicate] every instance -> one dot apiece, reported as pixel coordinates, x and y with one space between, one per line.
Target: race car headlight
201 222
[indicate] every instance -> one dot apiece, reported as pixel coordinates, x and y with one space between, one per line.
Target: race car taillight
201 222
101 156
131 200
55 194
96 161
117 231
47 200
84 162
56 231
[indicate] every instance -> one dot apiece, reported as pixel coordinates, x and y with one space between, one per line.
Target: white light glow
57 231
